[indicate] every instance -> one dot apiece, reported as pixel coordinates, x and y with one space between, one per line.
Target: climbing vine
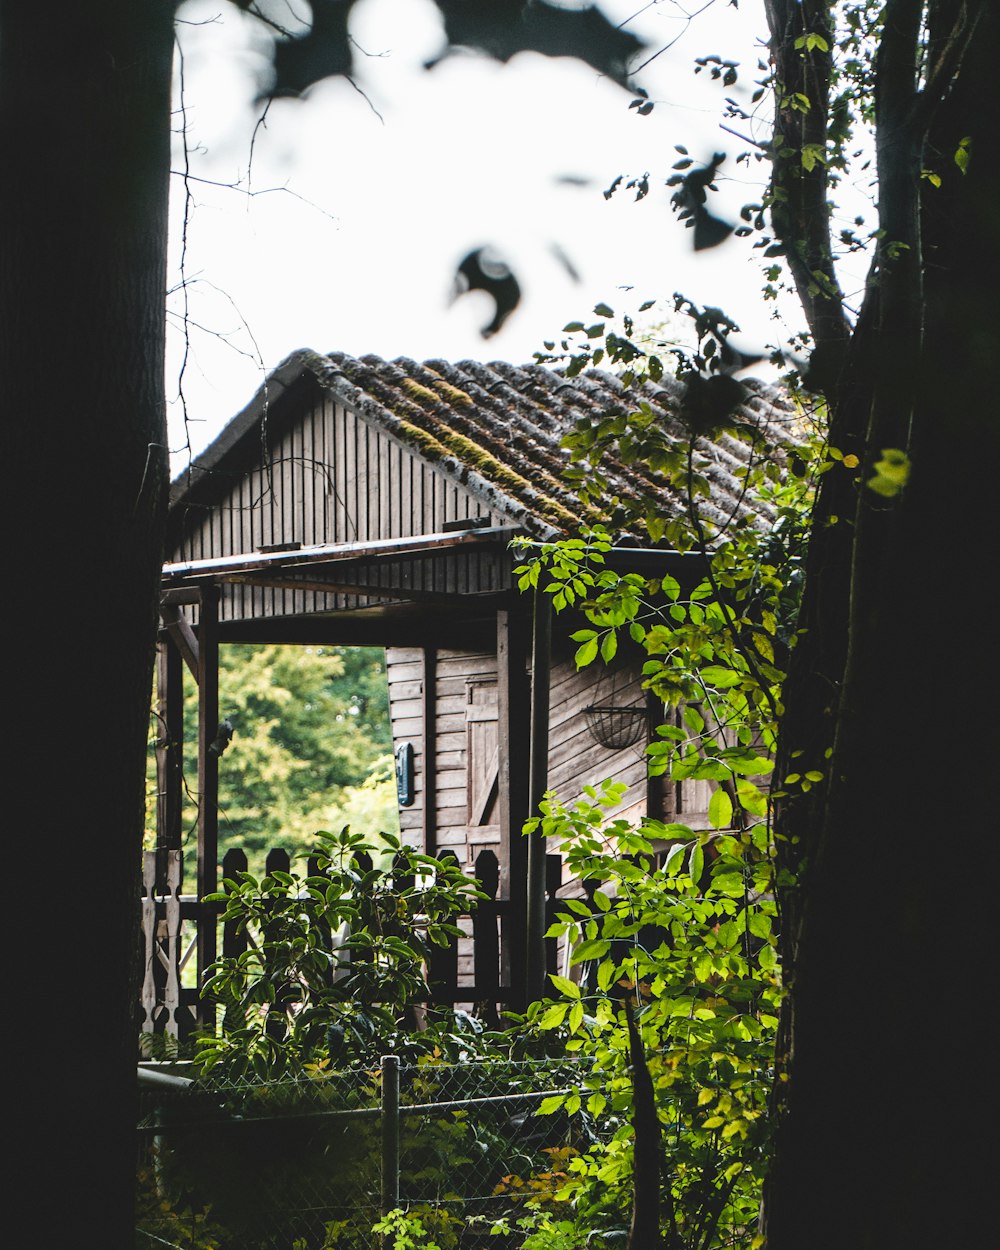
677 926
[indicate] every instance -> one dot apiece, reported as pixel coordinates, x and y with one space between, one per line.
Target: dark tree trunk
84 136
880 1139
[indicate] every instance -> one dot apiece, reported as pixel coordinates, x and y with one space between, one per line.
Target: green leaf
565 986
605 975
553 1016
550 1104
675 860
721 678
759 924
810 41
593 948
892 473
720 809
586 653
596 1103
730 883
750 798
671 587
812 154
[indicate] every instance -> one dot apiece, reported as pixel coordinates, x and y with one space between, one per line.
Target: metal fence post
390 1134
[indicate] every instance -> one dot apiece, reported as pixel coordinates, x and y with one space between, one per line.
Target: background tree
311 747
873 1145
85 136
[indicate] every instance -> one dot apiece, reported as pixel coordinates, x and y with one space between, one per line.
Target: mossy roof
497 428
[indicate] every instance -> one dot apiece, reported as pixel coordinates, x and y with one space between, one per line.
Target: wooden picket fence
181 936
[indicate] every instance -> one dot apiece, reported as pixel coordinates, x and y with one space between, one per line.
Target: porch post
513 759
169 744
208 777
429 751
541 667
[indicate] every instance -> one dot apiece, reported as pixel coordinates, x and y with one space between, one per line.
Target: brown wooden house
365 502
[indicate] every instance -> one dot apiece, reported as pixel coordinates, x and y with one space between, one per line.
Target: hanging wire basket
615 727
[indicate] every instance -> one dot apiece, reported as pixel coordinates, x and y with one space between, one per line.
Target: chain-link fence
311 1164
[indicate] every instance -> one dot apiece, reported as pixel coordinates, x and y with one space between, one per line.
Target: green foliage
690 936
538 1230
311 746
420 1228
891 474
162 1222
304 1154
682 922
333 959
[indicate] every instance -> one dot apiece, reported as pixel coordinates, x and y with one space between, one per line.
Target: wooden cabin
366 502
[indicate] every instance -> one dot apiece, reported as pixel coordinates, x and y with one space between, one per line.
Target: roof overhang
297 559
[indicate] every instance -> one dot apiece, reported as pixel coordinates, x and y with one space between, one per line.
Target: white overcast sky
358 218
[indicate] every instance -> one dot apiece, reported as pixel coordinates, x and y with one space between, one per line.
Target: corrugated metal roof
498 428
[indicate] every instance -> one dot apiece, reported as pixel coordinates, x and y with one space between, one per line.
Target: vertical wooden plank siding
333 477
404 671
290 503
388 522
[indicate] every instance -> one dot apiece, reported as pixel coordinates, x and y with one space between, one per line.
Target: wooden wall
464 818
333 478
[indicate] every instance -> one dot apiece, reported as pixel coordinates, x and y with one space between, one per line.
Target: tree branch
945 67
800 193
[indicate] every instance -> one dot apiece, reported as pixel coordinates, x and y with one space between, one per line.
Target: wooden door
482 768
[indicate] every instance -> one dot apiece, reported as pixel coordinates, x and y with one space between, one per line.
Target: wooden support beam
183 636
208 772
169 745
429 751
660 803
541 669
302 558
361 590
179 596
513 715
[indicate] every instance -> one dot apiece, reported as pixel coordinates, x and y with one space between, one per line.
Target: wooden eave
302 567
317 557
209 476
403 614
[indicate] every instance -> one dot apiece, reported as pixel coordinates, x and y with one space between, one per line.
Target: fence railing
312 1164
472 971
